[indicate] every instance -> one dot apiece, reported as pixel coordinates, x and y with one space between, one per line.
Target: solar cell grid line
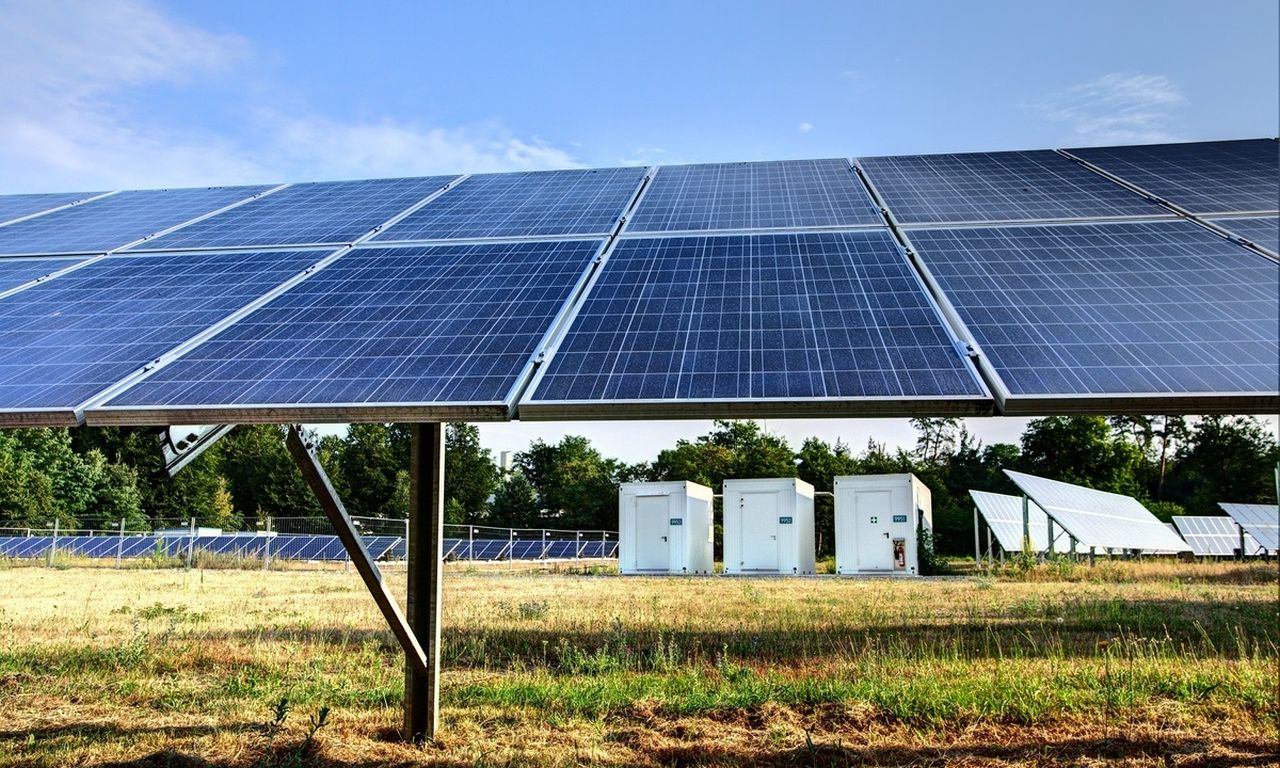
527 204
1262 521
64 340
15 273
1086 317
770 323
787 194
316 213
1213 536
1200 177
14 207
1261 230
382 333
991 187
116 220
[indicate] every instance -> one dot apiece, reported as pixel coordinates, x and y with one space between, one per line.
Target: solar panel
16 206
808 320
115 221
774 195
1213 536
1003 514
1263 231
1261 521
998 187
67 339
1202 177
15 272
1098 518
1139 308
416 328
534 203
304 214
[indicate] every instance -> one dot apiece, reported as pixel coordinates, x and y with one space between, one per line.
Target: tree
367 466
576 487
1082 450
515 503
261 475
1226 458
470 475
820 463
936 438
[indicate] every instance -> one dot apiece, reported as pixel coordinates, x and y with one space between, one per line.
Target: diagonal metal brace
316 478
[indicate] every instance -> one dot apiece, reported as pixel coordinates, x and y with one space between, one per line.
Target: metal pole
471 543
604 543
266 547
1241 529
53 544
1026 525
577 547
1093 553
120 545
511 546
1051 538
426 539
991 552
191 542
543 556
977 542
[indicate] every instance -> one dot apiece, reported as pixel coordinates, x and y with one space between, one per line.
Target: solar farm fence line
298 539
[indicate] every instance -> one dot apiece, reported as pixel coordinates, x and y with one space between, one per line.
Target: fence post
53 544
120 545
543 556
266 547
471 543
191 543
406 540
511 546
577 546
604 544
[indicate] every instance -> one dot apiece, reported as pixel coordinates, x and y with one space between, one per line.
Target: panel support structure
426 569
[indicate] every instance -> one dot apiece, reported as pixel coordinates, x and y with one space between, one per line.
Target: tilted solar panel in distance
65 340
16 206
15 272
1035 185
533 203
1003 514
304 214
1202 177
775 195
1098 518
1262 230
778 323
1262 521
404 332
1068 314
1213 536
115 221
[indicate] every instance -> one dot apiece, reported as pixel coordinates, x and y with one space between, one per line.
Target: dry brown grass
1139 664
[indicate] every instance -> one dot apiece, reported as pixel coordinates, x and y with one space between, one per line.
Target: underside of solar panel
1103 280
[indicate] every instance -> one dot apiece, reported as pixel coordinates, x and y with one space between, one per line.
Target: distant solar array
1217 536
1003 515
1009 282
1262 521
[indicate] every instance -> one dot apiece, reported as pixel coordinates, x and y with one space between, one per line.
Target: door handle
664 538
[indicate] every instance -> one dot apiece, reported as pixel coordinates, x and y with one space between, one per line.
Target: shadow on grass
98 731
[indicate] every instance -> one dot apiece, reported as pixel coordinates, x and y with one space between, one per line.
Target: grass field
1133 664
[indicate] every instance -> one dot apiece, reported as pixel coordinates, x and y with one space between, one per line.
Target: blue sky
102 95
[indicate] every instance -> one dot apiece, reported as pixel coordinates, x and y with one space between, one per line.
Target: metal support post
577 546
53 545
1240 528
977 541
511 546
266 547
1093 553
604 544
422 671
1026 525
1049 555
471 543
120 545
543 556
191 542
426 571
991 552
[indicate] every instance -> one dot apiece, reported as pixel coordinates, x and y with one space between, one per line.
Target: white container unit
664 528
877 519
768 526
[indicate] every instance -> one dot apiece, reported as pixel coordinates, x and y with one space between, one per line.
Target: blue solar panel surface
586 202
408 325
67 339
305 214
998 186
1263 230
1141 307
1203 177
776 195
816 315
115 221
17 206
15 272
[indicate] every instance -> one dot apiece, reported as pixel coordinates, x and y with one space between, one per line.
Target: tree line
94 478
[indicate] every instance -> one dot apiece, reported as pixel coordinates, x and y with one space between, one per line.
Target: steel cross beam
416 659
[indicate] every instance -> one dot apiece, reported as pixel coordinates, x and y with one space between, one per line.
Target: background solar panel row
67 339
785 316
530 204
15 272
1262 521
1262 230
115 221
774 195
304 214
1203 177
998 187
1003 514
1140 307
446 324
16 206
1213 536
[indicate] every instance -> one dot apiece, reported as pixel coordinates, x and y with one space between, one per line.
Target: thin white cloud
1118 108
805 127
72 116
644 156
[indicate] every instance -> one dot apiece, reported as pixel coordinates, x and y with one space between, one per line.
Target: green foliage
734 449
1227 458
1083 450
575 486
470 475
515 503
261 476
367 466
1165 510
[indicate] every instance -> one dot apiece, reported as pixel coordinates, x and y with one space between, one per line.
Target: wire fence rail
300 539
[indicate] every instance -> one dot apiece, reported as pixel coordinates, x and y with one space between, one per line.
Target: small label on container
899 518
677 521
784 521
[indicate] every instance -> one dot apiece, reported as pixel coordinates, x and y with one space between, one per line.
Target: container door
653 552
759 531
874 510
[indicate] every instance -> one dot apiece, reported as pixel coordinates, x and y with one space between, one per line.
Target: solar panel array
1003 514
1213 536
1260 230
730 289
1261 521
17 206
1098 518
